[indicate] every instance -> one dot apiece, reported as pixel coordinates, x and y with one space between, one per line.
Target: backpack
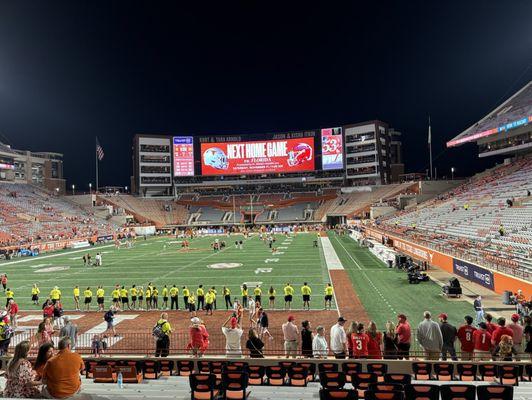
108 317
157 331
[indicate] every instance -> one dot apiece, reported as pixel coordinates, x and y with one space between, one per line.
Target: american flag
99 150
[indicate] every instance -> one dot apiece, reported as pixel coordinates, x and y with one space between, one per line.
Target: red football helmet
299 154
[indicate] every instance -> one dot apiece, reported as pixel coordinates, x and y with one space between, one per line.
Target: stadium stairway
176 387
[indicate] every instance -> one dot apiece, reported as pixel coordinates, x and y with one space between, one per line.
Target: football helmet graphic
216 158
299 154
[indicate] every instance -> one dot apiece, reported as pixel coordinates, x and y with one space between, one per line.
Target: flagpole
430 149
96 157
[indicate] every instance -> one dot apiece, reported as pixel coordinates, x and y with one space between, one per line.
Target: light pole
73 187
90 188
126 189
452 173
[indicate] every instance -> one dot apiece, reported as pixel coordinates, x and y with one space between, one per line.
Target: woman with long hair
271 297
360 340
306 339
390 342
375 341
254 344
21 379
46 351
45 331
350 332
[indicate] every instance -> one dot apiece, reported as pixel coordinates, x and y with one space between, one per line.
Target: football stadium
294 264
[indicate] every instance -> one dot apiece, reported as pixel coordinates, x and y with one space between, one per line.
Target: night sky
72 70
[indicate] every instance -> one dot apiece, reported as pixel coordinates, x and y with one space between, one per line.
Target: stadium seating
469 218
29 214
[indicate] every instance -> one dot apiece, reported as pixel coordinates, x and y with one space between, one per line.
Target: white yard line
324 258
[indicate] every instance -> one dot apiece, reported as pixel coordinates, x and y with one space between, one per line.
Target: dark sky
72 70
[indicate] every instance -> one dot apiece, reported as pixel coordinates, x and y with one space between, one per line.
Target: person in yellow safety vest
200 293
258 294
186 294
306 292
227 298
100 298
164 293
244 293
133 293
214 292
87 293
271 297
162 347
55 295
155 298
141 297
10 295
192 305
148 298
329 291
209 301
75 293
174 298
115 294
35 294
124 296
288 296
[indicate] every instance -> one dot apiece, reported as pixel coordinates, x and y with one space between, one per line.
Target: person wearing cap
517 336
404 336
232 334
482 340
448 333
162 347
429 337
291 337
479 310
69 330
501 329
199 337
339 339
465 335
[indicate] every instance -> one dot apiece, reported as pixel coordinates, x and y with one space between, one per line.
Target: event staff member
244 293
200 293
214 292
305 292
162 347
75 292
141 297
147 293
115 294
35 294
186 293
258 294
271 296
209 302
10 295
192 304
164 293
124 296
174 298
100 298
465 335
155 298
134 293
55 294
329 291
288 295
87 293
227 297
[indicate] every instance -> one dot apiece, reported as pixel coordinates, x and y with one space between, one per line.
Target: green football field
161 261
383 292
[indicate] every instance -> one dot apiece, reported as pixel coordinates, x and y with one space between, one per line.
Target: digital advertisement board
258 157
183 155
474 273
332 149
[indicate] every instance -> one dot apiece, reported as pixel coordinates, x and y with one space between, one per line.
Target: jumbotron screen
183 149
258 157
332 151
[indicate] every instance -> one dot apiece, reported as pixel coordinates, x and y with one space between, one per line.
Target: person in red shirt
482 339
404 333
375 341
490 325
465 335
12 310
359 342
48 309
199 337
501 330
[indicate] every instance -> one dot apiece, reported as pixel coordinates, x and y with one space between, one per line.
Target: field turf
161 261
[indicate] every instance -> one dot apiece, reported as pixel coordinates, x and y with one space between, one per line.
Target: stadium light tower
73 188
452 173
125 189
90 188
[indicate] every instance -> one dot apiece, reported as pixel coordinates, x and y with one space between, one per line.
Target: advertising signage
332 151
258 157
474 273
183 153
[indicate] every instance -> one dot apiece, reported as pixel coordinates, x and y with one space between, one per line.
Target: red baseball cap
233 322
291 318
515 317
442 316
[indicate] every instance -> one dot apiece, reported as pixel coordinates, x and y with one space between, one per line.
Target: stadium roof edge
466 137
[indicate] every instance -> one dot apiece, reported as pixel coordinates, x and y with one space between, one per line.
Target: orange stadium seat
422 392
203 387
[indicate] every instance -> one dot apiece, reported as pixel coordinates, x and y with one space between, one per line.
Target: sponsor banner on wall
105 238
473 273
